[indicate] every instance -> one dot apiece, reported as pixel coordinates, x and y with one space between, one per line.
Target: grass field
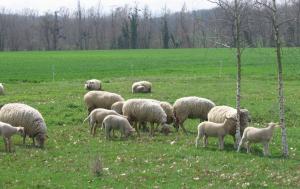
52 82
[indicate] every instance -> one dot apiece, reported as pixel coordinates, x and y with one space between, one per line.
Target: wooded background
137 28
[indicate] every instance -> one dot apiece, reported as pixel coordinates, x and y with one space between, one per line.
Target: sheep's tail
87 118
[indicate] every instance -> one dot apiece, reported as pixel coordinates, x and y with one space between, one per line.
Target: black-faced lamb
100 99
143 111
210 129
93 84
25 116
258 135
141 87
96 118
191 107
219 113
115 122
6 131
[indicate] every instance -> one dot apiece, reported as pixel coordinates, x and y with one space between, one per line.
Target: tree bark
280 81
239 60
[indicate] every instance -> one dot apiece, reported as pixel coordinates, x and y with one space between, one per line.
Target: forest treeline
137 28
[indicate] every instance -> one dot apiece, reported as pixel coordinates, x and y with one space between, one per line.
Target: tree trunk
238 57
280 82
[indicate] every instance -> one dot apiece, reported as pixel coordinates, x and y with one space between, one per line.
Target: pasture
53 82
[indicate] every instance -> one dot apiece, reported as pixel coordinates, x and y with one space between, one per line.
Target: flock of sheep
110 112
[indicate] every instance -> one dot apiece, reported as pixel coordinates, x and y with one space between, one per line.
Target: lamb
6 130
191 107
100 99
210 129
219 113
27 117
115 122
1 89
258 135
96 118
143 111
93 84
117 106
141 87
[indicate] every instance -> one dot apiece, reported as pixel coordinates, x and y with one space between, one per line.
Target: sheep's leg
221 143
33 141
5 144
234 142
152 129
24 138
182 127
241 144
135 125
266 148
205 140
94 129
248 147
9 144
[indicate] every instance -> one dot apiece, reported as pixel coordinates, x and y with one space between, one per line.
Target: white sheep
6 130
1 89
96 118
191 107
27 117
115 122
143 111
141 87
210 129
258 135
93 84
101 99
219 113
117 106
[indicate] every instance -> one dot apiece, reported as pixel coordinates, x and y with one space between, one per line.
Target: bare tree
235 9
271 6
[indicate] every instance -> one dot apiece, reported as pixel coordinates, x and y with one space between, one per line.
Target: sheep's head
166 129
21 131
274 125
41 138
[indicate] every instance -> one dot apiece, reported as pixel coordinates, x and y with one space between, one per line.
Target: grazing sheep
141 87
1 89
115 122
93 84
143 111
191 107
209 129
117 106
258 135
27 117
219 113
96 118
100 99
6 130
168 109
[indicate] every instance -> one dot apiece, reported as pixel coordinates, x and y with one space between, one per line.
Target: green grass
148 162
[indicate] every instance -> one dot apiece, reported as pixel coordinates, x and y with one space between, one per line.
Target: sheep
96 118
115 122
210 129
141 87
219 113
143 110
93 84
27 117
100 99
1 89
258 135
191 107
6 130
117 106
